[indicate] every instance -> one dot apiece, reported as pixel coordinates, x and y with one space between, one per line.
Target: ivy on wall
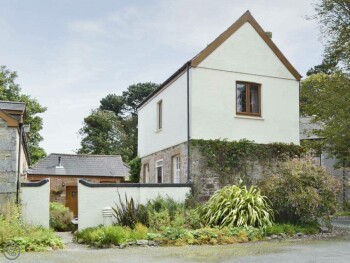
235 157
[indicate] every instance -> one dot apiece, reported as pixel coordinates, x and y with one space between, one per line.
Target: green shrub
290 229
301 192
213 236
235 206
30 238
60 217
160 204
110 235
159 220
135 169
129 214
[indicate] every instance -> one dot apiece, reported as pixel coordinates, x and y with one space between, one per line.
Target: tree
11 91
334 19
326 97
112 129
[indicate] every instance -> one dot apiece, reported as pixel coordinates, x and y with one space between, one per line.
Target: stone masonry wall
8 162
167 156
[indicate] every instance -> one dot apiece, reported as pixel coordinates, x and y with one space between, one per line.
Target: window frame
248 85
159 115
157 166
175 158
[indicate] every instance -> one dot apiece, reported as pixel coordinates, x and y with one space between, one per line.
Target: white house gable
246 51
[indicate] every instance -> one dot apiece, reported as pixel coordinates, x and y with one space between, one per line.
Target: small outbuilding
64 170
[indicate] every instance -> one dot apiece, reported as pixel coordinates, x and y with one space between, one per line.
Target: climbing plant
236 157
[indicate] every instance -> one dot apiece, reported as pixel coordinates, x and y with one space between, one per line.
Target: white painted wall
174 130
245 51
35 204
91 200
244 57
213 108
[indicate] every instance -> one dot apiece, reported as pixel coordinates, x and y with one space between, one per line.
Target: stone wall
8 162
206 181
167 156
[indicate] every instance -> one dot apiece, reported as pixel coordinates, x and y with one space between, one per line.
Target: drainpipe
19 160
189 177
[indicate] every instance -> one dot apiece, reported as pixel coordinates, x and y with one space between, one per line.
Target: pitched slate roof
12 105
307 127
81 165
247 17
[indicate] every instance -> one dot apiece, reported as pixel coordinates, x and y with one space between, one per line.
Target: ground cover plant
30 238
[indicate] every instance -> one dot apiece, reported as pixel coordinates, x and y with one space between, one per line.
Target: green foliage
112 129
205 236
233 158
236 206
290 229
334 19
30 238
301 192
326 97
111 235
135 168
60 217
129 214
11 91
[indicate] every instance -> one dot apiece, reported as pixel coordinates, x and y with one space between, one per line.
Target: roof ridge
92 155
8 101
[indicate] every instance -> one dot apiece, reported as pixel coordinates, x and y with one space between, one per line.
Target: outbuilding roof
12 106
81 165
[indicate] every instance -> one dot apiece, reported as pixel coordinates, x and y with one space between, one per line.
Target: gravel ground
287 251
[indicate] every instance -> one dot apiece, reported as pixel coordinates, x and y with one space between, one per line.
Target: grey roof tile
81 165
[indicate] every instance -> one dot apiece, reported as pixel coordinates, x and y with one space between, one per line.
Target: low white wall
92 198
35 201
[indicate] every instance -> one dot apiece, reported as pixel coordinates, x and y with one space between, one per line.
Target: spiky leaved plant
236 206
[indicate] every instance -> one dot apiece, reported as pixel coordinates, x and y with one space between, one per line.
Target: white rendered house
240 86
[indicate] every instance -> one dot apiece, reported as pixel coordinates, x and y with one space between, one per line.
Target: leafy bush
110 235
129 214
301 192
235 206
30 238
135 169
213 236
60 217
290 229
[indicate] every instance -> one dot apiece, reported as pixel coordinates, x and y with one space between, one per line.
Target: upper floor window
248 98
159 115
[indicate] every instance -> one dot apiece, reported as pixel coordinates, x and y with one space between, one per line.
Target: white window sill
249 117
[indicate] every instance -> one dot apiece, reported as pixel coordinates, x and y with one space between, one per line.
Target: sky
70 54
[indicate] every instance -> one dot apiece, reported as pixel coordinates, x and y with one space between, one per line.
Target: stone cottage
14 154
64 170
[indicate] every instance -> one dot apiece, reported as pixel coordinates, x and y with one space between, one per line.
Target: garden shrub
301 192
290 229
60 217
129 214
29 238
236 206
106 236
203 236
